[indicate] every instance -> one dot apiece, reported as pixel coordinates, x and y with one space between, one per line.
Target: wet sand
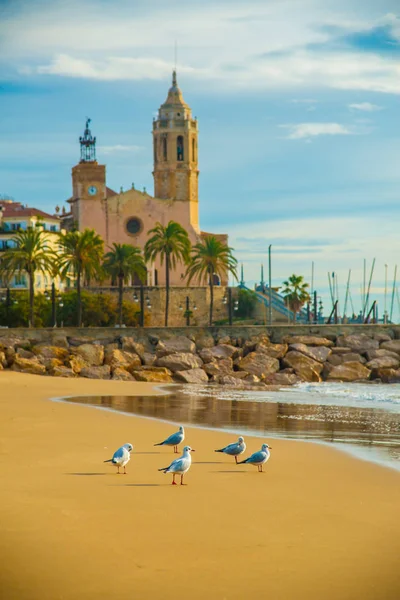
317 524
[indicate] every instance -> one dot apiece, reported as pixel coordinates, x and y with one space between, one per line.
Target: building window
15 226
20 279
134 226
179 147
193 149
164 147
53 227
155 277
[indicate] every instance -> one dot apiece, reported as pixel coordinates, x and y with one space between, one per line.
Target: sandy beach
318 524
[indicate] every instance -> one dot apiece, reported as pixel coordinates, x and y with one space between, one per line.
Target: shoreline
316 524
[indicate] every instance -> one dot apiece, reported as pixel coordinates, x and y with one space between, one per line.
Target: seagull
180 466
121 457
258 458
174 439
234 449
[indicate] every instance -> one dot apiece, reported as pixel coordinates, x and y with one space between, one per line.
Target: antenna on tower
175 54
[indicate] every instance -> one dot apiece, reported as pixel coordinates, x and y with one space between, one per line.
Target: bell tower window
164 148
193 149
179 148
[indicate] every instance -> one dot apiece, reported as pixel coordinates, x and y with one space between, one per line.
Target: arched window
179 147
193 149
155 152
164 148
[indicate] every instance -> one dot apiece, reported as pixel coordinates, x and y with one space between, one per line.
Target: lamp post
188 313
232 306
54 299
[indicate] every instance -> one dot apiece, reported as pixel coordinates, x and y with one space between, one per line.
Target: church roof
175 97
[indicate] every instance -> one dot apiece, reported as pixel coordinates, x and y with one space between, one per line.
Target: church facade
126 217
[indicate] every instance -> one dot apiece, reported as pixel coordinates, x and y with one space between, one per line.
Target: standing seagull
174 440
180 466
234 449
258 458
121 457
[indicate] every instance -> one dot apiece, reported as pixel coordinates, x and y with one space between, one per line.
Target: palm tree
122 262
31 253
295 293
211 257
172 244
81 253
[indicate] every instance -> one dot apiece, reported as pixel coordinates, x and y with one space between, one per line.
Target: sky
298 110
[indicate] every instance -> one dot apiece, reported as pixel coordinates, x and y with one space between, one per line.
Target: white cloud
365 106
310 130
118 148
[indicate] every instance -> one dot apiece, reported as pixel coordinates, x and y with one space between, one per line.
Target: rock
93 355
388 375
251 378
371 354
353 357
109 348
350 371
121 375
96 372
149 359
384 362
340 350
153 339
359 342
50 363
206 355
274 350
382 337
13 342
181 361
225 339
335 359
393 346
10 355
28 365
80 340
204 341
50 352
251 344
327 369
305 367
238 374
131 345
318 353
282 378
61 371
308 340
175 345
22 353
219 367
59 340
225 351
232 381
152 376
192 376
259 364
3 360
122 359
76 363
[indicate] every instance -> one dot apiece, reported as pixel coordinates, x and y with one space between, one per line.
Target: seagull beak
193 450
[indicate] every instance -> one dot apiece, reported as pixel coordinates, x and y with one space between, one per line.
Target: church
127 216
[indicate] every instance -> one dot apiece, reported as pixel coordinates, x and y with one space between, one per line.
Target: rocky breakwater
236 362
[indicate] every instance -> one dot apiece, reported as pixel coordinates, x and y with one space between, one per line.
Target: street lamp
188 313
232 306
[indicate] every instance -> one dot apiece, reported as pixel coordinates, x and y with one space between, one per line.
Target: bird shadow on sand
141 485
210 462
232 471
154 452
87 474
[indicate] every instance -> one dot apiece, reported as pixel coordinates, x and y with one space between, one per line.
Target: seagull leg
173 480
236 459
124 470
182 480
118 470
175 449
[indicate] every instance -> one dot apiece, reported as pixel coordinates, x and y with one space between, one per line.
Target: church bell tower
175 136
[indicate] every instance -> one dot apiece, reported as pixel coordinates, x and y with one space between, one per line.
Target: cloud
118 148
310 130
365 106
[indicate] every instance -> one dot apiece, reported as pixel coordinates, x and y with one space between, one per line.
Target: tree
81 253
172 244
31 253
295 293
122 262
211 257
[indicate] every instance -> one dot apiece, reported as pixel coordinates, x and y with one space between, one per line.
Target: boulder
225 339
28 365
384 362
149 359
232 382
3 359
274 350
50 363
318 353
192 376
282 378
175 345
22 353
181 361
120 374
152 376
96 372
76 363
131 345
204 341
206 355
393 346
359 342
50 352
335 359
59 340
350 371
62 371
219 367
340 351
353 357
225 351
259 364
251 344
382 337
388 375
155 370
251 378
80 340
122 359
93 355
371 354
308 340
305 367
13 342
